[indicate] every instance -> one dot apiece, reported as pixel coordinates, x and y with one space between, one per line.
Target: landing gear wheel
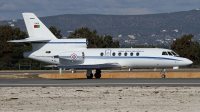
97 75
163 76
90 77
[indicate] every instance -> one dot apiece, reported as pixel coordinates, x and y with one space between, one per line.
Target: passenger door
108 52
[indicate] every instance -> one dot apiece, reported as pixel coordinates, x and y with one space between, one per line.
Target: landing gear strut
89 74
73 70
162 72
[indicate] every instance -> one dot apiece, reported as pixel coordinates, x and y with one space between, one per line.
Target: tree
185 47
109 43
56 32
94 40
11 53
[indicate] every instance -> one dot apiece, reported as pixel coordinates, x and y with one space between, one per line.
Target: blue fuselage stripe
120 57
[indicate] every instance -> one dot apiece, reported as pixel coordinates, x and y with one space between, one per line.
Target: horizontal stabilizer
96 66
29 40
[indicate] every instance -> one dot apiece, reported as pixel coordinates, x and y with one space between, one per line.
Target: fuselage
75 52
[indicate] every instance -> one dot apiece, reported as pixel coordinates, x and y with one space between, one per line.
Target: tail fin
36 29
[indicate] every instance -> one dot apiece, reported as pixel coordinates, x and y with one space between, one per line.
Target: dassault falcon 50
74 54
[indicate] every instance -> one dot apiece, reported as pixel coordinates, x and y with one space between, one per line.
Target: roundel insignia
74 56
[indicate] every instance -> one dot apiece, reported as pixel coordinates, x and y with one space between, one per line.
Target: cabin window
125 54
119 54
101 53
170 53
131 54
137 53
48 51
113 54
164 53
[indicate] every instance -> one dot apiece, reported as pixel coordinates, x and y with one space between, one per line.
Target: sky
13 9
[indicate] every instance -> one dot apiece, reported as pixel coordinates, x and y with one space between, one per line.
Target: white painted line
91 84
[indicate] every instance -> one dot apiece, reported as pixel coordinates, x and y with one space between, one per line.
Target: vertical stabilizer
36 29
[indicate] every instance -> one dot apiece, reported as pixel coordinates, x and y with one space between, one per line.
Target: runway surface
99 82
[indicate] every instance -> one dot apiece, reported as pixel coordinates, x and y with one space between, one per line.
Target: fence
26 66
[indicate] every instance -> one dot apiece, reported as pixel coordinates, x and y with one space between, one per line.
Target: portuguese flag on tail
36 26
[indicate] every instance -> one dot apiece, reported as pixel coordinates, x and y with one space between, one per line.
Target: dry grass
127 75
108 75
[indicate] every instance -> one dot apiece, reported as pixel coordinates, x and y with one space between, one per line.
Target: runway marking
103 84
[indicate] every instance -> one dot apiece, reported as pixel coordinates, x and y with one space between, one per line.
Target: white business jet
73 53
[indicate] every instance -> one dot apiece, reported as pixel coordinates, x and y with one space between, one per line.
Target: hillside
135 29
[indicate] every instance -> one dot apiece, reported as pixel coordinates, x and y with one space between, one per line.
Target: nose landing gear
97 75
162 72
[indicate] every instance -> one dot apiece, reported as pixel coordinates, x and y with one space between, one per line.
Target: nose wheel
163 76
162 72
90 75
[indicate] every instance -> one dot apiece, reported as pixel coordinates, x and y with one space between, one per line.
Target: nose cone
188 62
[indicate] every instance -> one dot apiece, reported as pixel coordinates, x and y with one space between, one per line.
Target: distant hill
134 29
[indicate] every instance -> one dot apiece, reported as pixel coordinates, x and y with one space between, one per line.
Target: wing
95 66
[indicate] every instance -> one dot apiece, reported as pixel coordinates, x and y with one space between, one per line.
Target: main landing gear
89 74
162 72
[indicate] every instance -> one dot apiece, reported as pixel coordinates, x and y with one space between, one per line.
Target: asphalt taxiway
100 82
77 82
81 71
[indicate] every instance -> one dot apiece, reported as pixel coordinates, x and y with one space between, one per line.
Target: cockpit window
174 53
164 53
170 53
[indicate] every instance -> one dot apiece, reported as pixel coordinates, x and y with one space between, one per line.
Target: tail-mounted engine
72 56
